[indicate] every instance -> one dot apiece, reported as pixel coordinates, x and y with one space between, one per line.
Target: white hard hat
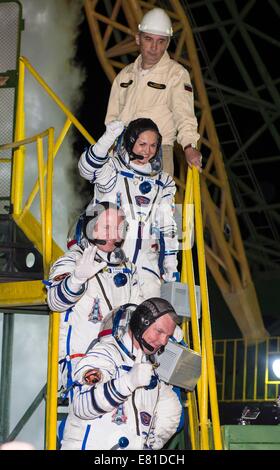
156 21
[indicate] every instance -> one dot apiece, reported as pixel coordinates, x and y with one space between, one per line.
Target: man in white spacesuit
89 281
119 401
133 179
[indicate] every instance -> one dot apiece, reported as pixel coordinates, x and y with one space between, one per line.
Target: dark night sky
95 89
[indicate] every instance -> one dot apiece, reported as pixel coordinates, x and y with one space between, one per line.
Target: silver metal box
179 366
177 293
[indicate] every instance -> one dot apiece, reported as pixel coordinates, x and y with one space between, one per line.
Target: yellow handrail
187 276
56 99
45 196
202 343
27 140
48 207
18 158
52 383
19 155
206 323
40 157
56 147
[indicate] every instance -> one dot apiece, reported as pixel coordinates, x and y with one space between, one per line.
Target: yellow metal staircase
21 294
40 233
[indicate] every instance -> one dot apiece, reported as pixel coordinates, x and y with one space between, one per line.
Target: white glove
86 267
169 277
170 264
153 442
178 334
113 130
140 375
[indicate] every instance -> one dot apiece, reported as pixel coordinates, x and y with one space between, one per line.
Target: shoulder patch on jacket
92 376
145 418
158 86
142 200
188 87
60 277
126 84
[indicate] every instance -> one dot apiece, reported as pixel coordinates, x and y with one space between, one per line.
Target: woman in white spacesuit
133 179
89 281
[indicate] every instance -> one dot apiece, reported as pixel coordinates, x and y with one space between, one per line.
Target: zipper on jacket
136 414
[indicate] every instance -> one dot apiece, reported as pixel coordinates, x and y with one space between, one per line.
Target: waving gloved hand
86 267
140 375
113 130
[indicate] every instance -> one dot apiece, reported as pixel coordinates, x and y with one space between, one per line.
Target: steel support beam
6 374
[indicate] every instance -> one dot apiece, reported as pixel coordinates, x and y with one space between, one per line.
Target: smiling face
146 146
152 48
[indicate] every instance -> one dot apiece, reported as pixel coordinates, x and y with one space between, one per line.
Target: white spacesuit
84 285
146 195
119 401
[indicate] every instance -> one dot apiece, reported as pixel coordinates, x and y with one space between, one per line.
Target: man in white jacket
132 178
157 87
119 401
89 281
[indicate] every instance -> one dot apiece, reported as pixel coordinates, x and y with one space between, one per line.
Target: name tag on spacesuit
116 269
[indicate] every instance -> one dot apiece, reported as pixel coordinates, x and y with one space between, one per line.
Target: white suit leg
149 283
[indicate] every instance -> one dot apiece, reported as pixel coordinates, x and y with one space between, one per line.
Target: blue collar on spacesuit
125 350
116 323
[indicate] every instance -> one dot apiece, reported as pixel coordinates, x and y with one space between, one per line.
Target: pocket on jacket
154 94
125 87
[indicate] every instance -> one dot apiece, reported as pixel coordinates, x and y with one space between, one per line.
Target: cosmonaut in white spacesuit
133 179
89 281
119 401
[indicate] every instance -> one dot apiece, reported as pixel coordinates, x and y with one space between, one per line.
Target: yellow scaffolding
39 232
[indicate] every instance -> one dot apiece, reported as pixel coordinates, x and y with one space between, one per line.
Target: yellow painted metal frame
192 220
257 377
17 294
45 194
40 233
52 383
